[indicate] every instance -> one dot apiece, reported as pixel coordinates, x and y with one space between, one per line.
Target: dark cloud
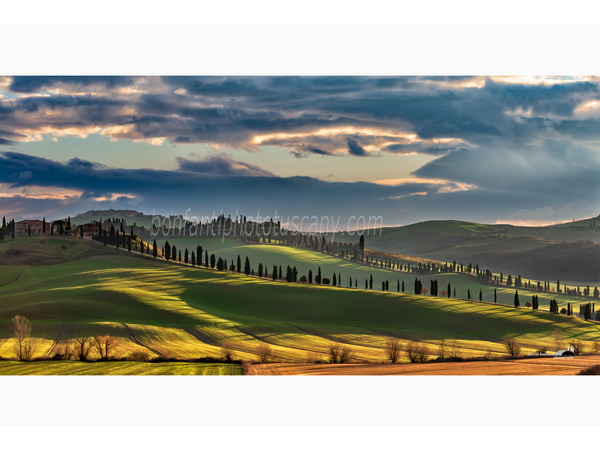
222 165
355 149
205 192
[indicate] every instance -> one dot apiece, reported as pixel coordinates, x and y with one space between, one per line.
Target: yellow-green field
116 368
171 310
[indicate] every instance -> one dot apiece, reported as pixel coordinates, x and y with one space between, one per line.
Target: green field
305 260
171 310
116 368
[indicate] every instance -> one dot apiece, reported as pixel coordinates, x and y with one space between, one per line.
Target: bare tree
392 350
339 353
577 346
442 351
596 347
227 352
557 337
512 346
411 350
104 344
22 329
82 348
454 349
63 352
265 353
345 354
423 353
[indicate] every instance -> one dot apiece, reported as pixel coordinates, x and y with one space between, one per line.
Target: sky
521 150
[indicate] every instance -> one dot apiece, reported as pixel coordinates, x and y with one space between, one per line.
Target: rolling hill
172 310
569 251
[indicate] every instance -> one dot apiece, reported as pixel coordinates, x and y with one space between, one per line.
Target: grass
176 311
305 260
116 368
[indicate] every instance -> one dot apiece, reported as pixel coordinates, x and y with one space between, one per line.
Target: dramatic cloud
504 139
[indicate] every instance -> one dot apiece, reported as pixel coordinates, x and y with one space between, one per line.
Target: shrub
139 356
326 281
303 279
227 352
592 370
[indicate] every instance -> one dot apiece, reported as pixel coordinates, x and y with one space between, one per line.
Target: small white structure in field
568 353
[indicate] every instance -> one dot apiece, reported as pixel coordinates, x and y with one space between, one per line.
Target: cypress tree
294 274
274 273
167 251
239 264
193 259
212 260
495 297
247 266
334 279
310 278
398 286
318 277
387 285
449 290
154 249
468 294
260 270
370 281
288 274
280 273
480 295
186 256
402 285
516 299
206 258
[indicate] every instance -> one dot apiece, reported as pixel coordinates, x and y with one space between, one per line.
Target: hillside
308 260
41 250
566 251
171 310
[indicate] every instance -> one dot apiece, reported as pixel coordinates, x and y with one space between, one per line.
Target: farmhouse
87 230
36 226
